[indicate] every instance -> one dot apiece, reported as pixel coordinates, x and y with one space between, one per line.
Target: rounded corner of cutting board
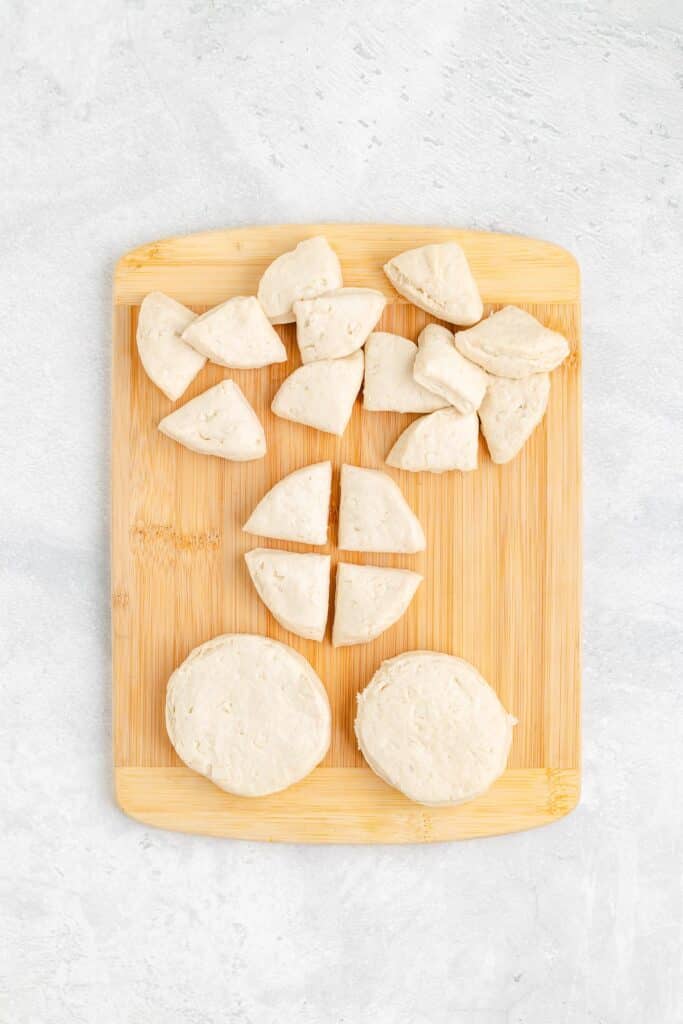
343 805
207 267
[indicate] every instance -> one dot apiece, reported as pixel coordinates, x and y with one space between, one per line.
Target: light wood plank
502 568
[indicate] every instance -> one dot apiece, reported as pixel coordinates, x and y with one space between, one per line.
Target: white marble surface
123 122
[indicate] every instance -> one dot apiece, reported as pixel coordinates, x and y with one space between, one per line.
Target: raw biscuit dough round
249 713
432 727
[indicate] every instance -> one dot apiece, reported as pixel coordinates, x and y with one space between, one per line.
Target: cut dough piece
389 382
374 515
432 727
437 443
220 422
368 600
440 368
438 278
309 270
167 360
249 713
321 394
511 411
238 334
337 323
296 508
512 343
295 588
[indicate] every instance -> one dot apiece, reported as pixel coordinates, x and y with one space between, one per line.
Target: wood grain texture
502 566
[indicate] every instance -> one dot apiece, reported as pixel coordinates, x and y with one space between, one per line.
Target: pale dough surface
437 443
337 323
321 394
249 713
296 507
167 359
219 422
431 726
437 278
237 334
374 515
310 269
294 587
512 343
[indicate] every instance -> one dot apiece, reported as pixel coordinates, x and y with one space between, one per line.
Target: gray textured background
124 122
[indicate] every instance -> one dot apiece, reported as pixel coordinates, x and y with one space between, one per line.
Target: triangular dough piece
220 422
309 270
389 382
238 334
438 278
369 599
296 508
374 515
440 368
337 323
167 360
437 443
295 588
512 343
321 394
511 411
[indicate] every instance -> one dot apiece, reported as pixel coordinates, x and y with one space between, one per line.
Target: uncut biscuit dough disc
249 713
432 727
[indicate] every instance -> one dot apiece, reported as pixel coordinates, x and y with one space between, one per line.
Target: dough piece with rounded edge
249 713
237 334
511 411
168 361
219 422
294 587
369 599
440 368
310 269
336 324
512 343
437 443
374 515
438 278
389 382
296 507
432 727
321 394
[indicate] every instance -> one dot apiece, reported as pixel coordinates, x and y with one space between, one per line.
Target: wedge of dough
296 508
168 361
374 515
249 713
337 323
369 599
437 443
309 270
511 411
389 382
438 278
432 727
512 343
237 334
440 368
321 394
295 588
219 422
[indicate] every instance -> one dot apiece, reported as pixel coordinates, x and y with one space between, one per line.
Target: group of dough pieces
373 516
495 373
249 712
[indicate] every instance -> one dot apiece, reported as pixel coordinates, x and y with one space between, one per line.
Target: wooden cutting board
501 571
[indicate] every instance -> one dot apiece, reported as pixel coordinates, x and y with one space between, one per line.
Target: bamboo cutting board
501 571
